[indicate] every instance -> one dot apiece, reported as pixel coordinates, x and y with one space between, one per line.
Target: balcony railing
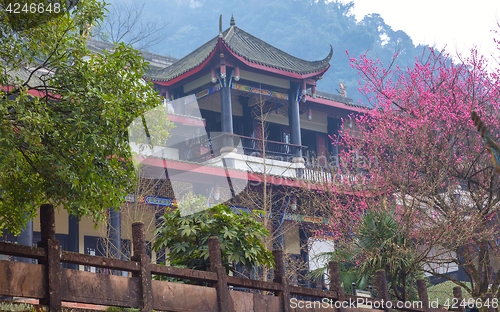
209 146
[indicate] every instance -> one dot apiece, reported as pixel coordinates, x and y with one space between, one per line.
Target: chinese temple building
245 112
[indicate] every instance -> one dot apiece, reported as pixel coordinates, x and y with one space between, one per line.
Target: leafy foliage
383 245
240 236
380 243
64 116
349 271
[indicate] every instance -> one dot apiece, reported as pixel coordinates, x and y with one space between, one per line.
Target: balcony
244 153
252 155
209 146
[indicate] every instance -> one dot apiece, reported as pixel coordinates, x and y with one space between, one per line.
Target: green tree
348 269
64 115
240 235
380 243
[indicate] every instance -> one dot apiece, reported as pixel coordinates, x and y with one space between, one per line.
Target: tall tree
127 23
64 114
431 161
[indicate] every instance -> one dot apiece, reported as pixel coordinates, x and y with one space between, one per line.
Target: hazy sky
458 24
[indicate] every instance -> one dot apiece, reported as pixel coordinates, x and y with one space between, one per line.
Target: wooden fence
52 285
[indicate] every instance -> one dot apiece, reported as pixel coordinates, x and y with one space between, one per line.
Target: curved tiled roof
185 64
334 97
248 47
342 102
155 61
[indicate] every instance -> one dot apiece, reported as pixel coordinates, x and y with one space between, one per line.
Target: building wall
87 227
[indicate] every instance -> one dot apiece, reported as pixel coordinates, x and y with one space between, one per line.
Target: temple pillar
160 254
294 119
278 225
247 117
26 238
333 128
304 253
114 234
229 143
200 189
73 237
226 110
294 124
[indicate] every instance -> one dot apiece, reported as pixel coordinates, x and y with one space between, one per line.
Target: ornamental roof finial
232 23
220 25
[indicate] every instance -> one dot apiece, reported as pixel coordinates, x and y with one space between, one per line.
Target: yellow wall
87 227
61 221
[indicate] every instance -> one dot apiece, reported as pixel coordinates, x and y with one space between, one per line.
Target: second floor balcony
206 147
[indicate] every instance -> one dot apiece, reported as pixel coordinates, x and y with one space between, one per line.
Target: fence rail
208 146
52 284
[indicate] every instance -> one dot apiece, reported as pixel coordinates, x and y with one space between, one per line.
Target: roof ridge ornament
231 22
220 26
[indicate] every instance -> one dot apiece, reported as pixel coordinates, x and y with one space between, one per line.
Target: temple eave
257 66
318 68
169 81
281 71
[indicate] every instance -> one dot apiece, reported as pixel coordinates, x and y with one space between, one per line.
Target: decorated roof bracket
222 66
303 91
214 75
236 73
221 76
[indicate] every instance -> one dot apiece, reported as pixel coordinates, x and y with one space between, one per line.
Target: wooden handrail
15 250
253 284
183 273
99 261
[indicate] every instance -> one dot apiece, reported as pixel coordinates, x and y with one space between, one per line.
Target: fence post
491 307
224 299
144 275
52 262
457 293
335 285
422 294
280 277
383 293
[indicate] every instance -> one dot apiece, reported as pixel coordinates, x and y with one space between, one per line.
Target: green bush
240 235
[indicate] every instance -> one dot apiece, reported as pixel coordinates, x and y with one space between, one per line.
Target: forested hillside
303 28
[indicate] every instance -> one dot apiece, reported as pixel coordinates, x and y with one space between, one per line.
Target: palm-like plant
384 245
349 272
380 243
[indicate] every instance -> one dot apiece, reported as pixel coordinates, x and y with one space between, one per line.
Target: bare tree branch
125 23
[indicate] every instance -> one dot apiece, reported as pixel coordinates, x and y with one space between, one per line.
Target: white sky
458 24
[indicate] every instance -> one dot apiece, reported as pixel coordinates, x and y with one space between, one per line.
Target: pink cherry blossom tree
418 148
